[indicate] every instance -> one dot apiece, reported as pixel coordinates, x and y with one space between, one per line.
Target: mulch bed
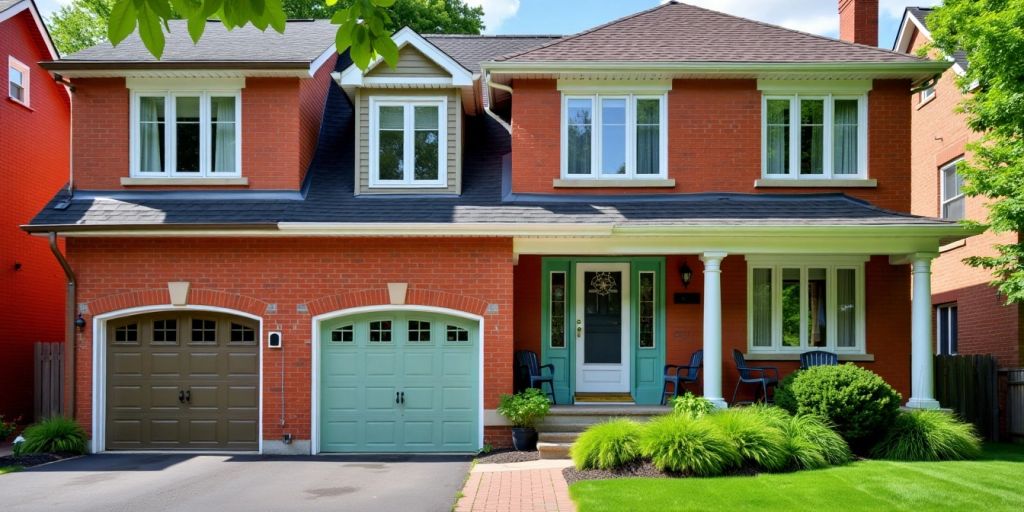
507 456
644 469
32 459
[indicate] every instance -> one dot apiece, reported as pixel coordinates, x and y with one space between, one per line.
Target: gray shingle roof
921 15
677 32
302 42
471 50
329 197
7 4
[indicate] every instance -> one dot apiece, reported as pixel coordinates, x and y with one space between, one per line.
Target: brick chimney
858 21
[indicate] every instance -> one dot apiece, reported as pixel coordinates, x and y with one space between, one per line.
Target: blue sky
571 16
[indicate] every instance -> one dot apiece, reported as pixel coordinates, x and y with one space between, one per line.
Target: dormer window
614 136
408 142
186 134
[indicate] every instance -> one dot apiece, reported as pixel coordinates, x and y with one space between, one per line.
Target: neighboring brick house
33 166
488 195
971 316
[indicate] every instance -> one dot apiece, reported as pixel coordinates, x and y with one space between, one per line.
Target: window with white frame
795 304
927 94
946 330
408 142
614 136
18 75
814 136
179 134
952 183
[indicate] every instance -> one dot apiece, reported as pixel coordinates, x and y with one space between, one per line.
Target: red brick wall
327 274
940 134
280 125
887 316
33 166
714 129
858 21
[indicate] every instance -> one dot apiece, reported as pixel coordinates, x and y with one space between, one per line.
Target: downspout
69 327
487 107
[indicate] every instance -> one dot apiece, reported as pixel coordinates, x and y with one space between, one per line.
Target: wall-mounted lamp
80 322
685 274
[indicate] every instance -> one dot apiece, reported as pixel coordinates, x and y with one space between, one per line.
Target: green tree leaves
991 32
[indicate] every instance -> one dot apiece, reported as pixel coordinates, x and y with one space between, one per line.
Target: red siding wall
986 324
325 274
715 140
887 303
33 166
280 124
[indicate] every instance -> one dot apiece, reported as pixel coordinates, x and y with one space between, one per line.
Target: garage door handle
188 396
402 394
398 399
181 396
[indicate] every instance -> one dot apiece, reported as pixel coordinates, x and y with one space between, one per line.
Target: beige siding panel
453 136
411 62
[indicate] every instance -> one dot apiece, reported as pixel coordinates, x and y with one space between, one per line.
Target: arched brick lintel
161 297
414 296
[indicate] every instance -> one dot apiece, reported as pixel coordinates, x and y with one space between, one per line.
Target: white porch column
713 327
922 387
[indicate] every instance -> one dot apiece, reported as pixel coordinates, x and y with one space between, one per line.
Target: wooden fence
968 385
49 379
1015 403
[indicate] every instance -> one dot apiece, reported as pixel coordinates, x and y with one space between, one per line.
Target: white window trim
170 133
595 137
831 264
942 190
26 80
829 130
409 178
941 309
926 95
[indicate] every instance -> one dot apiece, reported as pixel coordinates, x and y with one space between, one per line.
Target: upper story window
795 304
927 94
17 80
815 137
186 134
952 191
614 136
408 142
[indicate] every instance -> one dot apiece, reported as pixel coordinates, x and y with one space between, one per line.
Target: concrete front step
557 437
553 450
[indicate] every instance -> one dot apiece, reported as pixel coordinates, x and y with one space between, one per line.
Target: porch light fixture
686 274
80 322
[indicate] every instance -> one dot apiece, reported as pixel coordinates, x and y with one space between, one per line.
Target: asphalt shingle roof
921 15
678 32
330 197
7 4
471 50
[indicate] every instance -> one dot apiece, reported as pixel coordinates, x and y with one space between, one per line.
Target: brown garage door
182 381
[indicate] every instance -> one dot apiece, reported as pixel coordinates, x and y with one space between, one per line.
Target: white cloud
496 12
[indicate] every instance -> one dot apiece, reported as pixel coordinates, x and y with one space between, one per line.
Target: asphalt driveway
222 483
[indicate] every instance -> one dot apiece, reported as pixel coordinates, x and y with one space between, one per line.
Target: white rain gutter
487 106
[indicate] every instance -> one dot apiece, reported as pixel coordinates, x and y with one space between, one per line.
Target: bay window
614 136
408 142
814 136
181 134
795 305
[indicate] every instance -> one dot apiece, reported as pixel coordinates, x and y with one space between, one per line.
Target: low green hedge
924 435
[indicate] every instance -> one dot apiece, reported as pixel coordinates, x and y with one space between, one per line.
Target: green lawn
992 484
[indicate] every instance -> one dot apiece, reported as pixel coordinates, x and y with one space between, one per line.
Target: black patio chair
532 372
818 358
765 377
674 374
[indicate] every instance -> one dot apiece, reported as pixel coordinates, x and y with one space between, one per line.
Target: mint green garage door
399 382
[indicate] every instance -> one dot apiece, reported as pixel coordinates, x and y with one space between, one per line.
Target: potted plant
524 410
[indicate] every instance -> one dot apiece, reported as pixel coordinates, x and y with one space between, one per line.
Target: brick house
277 251
971 317
33 166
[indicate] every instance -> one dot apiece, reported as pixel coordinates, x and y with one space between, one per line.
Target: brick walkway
522 487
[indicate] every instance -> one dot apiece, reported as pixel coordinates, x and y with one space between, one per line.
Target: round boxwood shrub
679 444
924 435
607 445
783 392
755 435
856 402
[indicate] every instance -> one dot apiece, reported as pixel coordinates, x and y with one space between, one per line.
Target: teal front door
399 382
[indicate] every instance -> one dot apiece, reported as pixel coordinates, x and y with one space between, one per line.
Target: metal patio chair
764 377
532 372
674 374
818 358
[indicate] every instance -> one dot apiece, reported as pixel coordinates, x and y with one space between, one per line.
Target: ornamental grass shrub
858 403
607 445
679 444
812 444
755 435
55 435
692 406
925 435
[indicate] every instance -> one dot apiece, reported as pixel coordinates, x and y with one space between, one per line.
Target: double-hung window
814 136
614 136
408 142
17 80
952 184
946 329
797 304
186 134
